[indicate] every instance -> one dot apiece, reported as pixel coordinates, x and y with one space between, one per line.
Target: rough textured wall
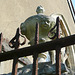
14 12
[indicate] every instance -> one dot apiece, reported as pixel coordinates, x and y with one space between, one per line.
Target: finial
40 9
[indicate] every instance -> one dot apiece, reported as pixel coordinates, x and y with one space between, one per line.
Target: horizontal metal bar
39 48
20 60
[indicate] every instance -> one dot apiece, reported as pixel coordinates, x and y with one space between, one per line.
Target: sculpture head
45 24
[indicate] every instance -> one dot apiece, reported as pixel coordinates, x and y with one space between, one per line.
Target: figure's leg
52 56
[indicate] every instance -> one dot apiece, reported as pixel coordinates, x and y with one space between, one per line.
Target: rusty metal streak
35 54
58 49
16 46
39 48
15 43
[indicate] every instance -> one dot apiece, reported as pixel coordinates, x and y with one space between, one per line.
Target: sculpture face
45 24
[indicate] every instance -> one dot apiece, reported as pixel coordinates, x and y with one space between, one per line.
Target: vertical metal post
14 43
15 66
35 55
58 50
15 60
1 38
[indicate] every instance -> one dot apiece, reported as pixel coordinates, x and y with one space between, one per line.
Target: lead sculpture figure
46 23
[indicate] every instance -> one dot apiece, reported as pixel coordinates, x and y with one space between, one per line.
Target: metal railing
36 49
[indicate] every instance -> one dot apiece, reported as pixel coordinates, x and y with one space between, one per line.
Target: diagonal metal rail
39 48
15 43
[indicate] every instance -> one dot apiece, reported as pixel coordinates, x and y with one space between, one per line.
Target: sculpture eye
48 21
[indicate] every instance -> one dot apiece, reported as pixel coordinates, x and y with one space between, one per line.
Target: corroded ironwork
58 49
35 54
48 46
14 43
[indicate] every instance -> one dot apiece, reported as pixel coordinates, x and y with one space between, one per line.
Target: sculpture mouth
46 26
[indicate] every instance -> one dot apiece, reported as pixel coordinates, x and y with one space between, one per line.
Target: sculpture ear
21 23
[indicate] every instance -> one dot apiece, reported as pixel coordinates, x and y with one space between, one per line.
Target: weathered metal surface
58 61
5 48
35 54
58 49
48 46
1 38
22 60
52 32
15 43
37 34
